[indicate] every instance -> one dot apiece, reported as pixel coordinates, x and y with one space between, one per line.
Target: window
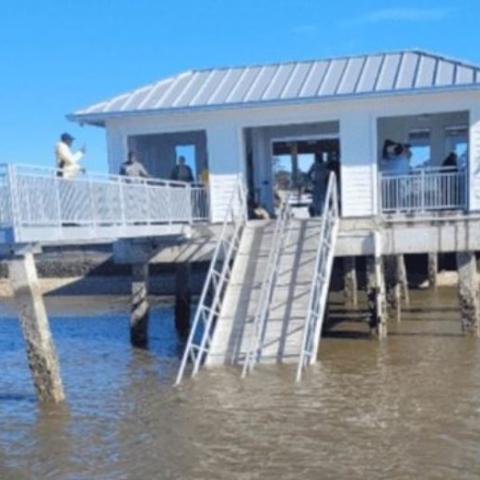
456 140
420 148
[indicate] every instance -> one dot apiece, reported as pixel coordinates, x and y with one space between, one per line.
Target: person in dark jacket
182 172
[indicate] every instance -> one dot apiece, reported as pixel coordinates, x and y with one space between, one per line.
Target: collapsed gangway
266 291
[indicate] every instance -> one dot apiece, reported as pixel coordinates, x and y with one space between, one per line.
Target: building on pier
268 122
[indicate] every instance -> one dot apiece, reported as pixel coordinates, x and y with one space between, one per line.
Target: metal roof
380 73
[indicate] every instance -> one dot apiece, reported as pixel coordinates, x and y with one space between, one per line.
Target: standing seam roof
317 79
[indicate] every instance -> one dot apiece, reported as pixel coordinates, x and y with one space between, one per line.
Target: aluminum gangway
216 283
38 205
321 279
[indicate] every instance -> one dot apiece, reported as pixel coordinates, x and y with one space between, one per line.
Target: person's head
398 150
131 157
181 160
387 148
66 138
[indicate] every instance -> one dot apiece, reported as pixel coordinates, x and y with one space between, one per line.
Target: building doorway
292 161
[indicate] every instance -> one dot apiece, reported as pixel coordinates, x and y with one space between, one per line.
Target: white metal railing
218 275
424 189
255 346
321 278
34 198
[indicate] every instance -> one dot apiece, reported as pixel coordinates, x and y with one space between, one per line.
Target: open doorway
292 167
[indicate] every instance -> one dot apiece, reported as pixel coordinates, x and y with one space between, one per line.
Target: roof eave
99 119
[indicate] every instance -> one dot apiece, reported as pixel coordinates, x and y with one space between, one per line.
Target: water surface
404 408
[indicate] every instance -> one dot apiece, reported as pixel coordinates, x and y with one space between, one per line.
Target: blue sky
57 56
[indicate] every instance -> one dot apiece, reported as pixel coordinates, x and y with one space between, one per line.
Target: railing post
122 202
422 190
190 203
14 205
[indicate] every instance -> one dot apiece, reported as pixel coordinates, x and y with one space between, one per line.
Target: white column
226 161
474 158
358 164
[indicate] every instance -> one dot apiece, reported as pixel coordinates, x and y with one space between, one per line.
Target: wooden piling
182 298
350 281
42 357
468 292
432 269
140 309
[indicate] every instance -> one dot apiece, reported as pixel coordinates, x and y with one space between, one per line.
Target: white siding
474 200
116 148
358 165
225 165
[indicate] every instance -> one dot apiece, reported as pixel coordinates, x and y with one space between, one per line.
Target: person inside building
68 162
318 174
451 161
133 168
182 172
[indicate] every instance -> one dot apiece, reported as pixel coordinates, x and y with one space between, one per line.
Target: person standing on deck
133 168
318 174
67 161
182 172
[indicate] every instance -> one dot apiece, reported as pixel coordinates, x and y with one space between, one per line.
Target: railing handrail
215 279
253 353
97 176
321 278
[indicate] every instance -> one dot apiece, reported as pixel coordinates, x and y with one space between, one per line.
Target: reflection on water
408 407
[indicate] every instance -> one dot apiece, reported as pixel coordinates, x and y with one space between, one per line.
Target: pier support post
432 269
182 298
42 357
392 284
376 292
403 279
350 281
468 292
140 308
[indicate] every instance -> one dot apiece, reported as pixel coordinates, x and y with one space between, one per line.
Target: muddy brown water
404 408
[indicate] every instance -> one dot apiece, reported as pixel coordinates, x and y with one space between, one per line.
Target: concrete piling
182 298
468 292
42 357
350 281
392 286
140 309
403 279
432 269
376 293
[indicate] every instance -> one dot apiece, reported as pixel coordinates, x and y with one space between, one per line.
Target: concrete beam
42 357
432 269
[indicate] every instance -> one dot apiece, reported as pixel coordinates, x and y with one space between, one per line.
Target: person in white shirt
67 161
133 168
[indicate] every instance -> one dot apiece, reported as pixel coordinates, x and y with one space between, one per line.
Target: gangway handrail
321 278
254 351
216 280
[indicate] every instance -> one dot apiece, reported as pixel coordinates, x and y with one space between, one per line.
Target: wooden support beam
182 298
42 357
392 286
468 292
403 279
350 281
140 310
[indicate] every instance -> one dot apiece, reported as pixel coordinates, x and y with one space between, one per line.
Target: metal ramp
272 304
269 303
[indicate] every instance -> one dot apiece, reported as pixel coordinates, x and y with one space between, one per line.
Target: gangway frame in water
321 279
216 280
254 351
